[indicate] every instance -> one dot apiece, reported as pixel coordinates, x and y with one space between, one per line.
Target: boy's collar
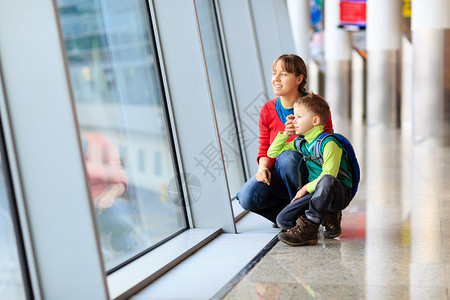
313 133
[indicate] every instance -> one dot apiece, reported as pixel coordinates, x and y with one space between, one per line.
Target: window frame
229 86
25 267
45 194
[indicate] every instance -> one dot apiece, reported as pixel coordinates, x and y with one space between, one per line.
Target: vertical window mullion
11 201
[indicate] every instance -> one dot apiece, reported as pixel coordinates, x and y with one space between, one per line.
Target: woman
277 180
108 184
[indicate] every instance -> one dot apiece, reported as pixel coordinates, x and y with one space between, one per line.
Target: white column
358 70
383 42
299 16
429 21
337 60
407 87
430 122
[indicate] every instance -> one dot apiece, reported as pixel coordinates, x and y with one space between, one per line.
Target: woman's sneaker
332 223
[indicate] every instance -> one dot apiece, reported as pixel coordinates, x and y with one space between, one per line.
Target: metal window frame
242 52
230 84
186 85
20 230
273 32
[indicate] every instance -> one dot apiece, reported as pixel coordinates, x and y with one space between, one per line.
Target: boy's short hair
317 105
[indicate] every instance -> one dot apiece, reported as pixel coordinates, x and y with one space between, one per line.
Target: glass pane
126 141
221 94
11 282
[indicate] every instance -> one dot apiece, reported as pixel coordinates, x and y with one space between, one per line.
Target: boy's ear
316 120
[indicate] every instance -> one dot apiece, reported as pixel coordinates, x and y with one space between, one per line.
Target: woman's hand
107 197
263 175
289 129
103 203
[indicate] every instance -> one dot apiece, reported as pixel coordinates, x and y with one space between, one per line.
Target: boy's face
304 120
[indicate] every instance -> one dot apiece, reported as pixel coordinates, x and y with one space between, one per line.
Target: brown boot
332 223
304 233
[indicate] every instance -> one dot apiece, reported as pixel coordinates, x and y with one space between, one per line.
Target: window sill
239 212
128 280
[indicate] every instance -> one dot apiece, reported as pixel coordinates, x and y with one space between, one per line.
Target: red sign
353 12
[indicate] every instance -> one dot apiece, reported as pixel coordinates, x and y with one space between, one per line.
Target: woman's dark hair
294 64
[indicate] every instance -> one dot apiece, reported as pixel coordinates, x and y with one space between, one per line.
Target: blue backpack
345 143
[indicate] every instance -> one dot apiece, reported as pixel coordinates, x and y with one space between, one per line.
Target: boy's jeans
269 200
330 195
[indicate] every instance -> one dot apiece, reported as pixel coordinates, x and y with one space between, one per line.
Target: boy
329 188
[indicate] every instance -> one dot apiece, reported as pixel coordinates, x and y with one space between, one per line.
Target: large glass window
11 280
221 94
123 123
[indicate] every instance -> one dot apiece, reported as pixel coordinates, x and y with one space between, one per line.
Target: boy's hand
301 192
263 175
289 129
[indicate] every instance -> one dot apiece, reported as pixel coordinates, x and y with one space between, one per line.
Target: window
221 94
142 160
122 118
158 167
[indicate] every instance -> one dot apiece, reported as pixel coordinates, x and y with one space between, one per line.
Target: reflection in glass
221 94
125 138
11 282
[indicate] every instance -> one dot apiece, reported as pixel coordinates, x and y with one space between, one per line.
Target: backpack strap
318 146
317 155
297 144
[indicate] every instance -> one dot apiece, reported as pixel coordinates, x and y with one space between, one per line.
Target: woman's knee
248 195
288 158
243 200
287 163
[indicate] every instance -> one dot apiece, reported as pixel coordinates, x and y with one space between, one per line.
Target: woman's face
284 83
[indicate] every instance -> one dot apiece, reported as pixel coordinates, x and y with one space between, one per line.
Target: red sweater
269 126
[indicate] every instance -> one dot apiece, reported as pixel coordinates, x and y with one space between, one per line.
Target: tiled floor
395 242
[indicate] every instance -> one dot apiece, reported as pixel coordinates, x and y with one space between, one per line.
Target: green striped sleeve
279 145
332 155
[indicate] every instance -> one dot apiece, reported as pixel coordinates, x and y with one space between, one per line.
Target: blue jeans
119 218
269 200
330 195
